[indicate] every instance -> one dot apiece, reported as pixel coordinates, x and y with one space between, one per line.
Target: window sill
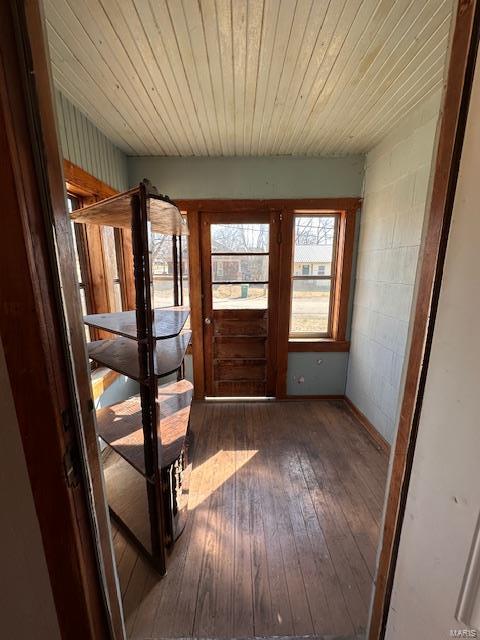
317 344
102 378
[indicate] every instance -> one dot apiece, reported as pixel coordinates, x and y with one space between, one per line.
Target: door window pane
310 306
239 238
240 296
238 268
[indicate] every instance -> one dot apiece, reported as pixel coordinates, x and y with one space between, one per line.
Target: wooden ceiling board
247 77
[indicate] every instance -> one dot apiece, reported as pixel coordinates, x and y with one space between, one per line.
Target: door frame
285 208
260 215
48 367
464 41
73 568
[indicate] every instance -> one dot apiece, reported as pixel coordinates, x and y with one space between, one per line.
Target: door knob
207 321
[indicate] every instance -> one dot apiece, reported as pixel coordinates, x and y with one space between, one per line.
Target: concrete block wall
395 191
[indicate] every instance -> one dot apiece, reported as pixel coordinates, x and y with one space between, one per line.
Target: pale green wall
265 177
84 145
245 177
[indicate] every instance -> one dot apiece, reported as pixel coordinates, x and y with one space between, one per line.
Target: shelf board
169 322
121 355
120 425
116 211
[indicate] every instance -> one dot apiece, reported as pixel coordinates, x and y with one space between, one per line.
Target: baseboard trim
374 435
293 397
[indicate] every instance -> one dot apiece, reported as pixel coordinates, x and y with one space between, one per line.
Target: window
314 241
73 202
112 248
239 263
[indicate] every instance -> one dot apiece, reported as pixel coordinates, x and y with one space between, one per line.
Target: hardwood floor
285 505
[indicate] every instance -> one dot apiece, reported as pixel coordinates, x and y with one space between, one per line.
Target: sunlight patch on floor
221 466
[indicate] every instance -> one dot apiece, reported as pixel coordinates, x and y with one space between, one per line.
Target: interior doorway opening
284 474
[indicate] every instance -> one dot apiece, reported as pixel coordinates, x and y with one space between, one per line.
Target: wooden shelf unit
146 462
121 355
169 322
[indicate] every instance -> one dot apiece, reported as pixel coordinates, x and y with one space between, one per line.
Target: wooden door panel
235 347
240 322
243 388
240 369
239 342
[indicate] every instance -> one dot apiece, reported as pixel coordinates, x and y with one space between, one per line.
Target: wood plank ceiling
247 77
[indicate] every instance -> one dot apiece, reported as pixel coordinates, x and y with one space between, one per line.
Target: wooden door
240 293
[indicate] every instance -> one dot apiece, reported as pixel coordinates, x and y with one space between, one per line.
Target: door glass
239 264
239 238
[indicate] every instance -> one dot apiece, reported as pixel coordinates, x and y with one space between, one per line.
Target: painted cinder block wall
395 192
443 501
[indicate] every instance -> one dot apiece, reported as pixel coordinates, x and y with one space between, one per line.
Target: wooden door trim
230 212
205 251
47 316
277 204
451 131
284 207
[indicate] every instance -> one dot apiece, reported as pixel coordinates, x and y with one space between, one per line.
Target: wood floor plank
265 485
262 600
243 622
214 610
327 606
284 511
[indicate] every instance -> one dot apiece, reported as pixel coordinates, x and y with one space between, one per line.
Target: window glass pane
162 270
72 203
240 296
310 306
314 245
239 238
83 303
117 292
77 257
108 234
237 267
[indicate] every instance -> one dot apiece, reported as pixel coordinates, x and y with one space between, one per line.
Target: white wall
26 600
444 495
395 190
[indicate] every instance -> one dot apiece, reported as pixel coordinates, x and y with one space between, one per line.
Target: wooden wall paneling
196 302
283 322
34 334
463 52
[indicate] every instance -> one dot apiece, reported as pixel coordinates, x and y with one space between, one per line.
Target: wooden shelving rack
146 463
